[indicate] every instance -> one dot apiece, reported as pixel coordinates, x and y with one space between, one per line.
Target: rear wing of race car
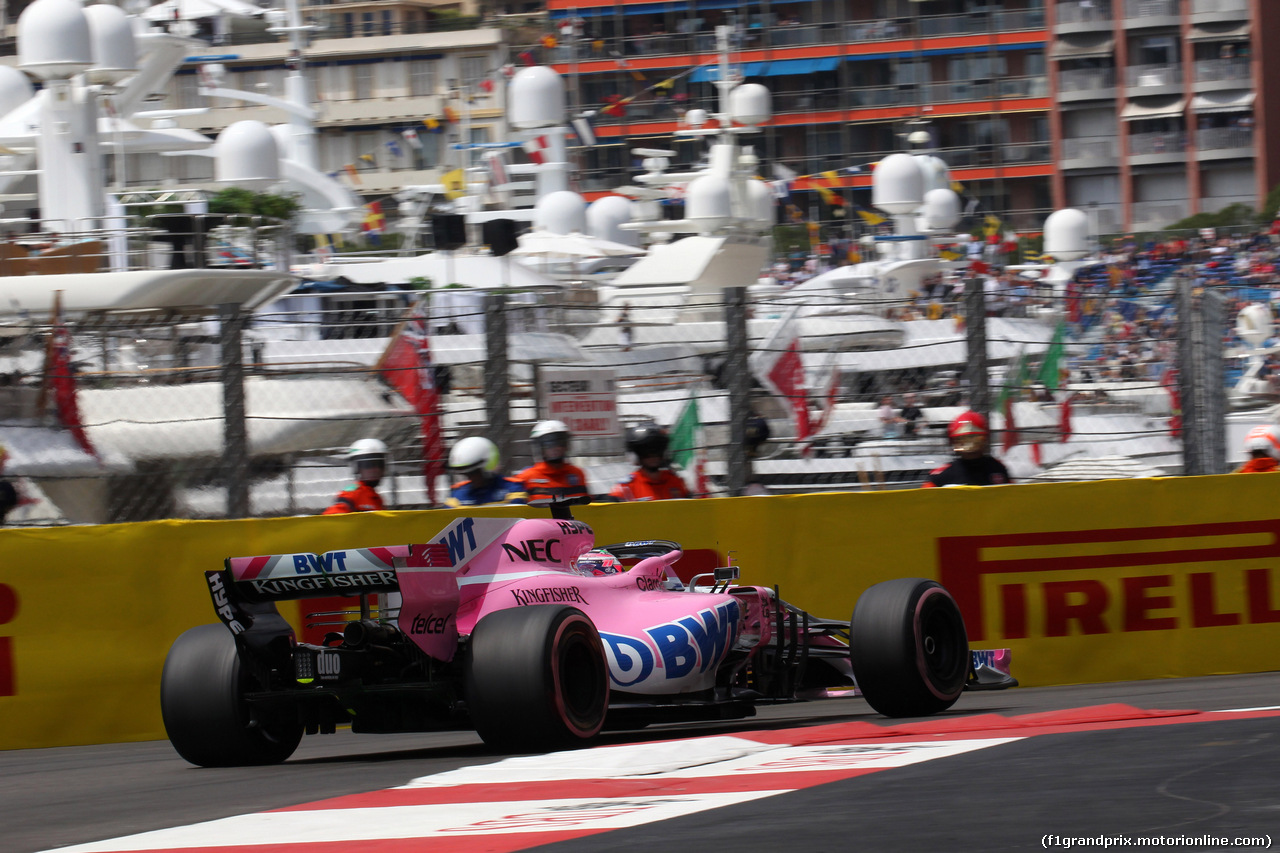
245 590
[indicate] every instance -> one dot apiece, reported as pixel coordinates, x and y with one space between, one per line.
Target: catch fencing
240 415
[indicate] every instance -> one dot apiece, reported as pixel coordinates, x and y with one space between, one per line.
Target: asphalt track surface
1214 776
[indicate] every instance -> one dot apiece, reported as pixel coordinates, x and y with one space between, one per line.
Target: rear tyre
202 704
536 678
908 648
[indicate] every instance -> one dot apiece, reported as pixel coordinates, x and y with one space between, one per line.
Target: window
474 69
363 78
422 77
185 95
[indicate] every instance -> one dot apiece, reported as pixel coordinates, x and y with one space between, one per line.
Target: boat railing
161 242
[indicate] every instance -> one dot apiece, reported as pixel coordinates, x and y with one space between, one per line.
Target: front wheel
202 704
536 678
908 648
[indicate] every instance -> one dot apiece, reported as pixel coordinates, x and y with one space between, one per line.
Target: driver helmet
648 440
367 459
596 563
968 433
1263 439
474 456
551 438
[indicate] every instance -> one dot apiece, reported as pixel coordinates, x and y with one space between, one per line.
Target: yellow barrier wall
1085 581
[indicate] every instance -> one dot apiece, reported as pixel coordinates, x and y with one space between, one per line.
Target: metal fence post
738 372
977 374
497 376
1201 315
235 437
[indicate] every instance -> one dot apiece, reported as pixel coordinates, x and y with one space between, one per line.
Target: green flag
1050 367
684 434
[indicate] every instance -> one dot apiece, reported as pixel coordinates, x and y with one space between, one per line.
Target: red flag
701 486
61 378
979 267
536 149
1170 383
1010 428
406 366
1065 426
779 368
787 375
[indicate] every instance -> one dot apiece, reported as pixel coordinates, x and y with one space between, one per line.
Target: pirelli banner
1086 582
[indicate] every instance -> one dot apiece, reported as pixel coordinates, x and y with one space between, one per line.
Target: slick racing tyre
204 712
536 677
908 648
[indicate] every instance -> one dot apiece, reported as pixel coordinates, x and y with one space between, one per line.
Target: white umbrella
544 244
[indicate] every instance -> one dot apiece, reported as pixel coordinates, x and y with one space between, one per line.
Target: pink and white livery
496 624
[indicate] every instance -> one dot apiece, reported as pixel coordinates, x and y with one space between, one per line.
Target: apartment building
1163 107
1138 111
852 81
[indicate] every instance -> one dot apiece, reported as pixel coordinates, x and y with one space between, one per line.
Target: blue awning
711 73
633 9
783 67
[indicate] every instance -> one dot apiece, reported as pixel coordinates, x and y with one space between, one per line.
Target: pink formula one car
493 626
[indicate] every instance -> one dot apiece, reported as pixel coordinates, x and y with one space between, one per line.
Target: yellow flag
455 184
870 216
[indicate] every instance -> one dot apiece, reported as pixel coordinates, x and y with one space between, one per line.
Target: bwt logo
460 539
8 610
1069 597
699 641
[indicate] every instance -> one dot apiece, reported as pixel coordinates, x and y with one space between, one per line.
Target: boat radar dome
1254 323
707 202
1066 234
941 209
937 176
604 215
53 39
115 56
760 205
15 89
246 154
560 212
749 104
897 184
536 98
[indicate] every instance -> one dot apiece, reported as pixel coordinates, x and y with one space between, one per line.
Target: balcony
1087 84
1155 215
1224 143
1140 80
1090 152
1141 14
1215 11
1222 74
1082 16
1147 149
